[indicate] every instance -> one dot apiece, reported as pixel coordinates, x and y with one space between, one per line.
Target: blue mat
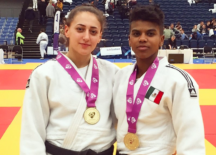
8 61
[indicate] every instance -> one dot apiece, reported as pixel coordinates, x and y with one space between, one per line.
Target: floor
13 78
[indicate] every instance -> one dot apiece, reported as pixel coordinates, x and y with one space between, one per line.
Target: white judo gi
43 40
175 123
54 105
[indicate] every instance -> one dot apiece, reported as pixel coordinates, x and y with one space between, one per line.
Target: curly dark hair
150 13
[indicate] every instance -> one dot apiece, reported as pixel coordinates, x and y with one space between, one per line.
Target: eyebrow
147 30
85 26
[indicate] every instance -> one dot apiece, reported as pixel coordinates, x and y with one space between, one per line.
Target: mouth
142 48
84 45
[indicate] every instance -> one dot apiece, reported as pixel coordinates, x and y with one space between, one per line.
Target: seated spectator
172 43
168 33
59 4
64 22
61 26
50 10
196 36
194 28
172 28
199 26
183 35
204 30
208 25
214 27
62 40
178 26
212 22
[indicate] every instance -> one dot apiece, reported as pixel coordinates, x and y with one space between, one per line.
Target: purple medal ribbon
133 109
92 93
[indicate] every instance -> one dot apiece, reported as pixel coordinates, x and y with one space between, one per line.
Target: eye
79 29
93 32
136 34
150 34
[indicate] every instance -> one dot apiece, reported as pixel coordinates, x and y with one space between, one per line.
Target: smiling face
84 33
145 39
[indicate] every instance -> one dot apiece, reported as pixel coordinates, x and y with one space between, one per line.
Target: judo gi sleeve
38 39
35 115
187 119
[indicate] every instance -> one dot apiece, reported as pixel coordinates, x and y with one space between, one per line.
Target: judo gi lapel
89 71
75 122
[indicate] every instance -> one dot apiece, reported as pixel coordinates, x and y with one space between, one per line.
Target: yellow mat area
121 65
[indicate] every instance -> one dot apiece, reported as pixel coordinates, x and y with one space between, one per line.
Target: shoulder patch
191 87
28 81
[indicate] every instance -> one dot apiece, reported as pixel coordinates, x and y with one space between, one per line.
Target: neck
79 60
144 64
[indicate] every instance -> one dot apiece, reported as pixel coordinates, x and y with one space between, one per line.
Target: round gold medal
131 141
92 116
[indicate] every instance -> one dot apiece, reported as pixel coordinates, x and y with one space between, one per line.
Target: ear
67 31
129 41
162 40
100 37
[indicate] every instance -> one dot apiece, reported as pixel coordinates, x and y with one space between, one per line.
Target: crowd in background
47 9
173 32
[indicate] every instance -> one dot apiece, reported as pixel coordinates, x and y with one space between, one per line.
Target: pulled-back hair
42 30
150 13
87 7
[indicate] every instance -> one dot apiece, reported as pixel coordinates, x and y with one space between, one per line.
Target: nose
86 36
143 38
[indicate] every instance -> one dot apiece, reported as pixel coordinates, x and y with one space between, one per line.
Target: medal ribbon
92 92
134 107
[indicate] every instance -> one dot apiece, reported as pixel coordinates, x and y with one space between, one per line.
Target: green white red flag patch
154 95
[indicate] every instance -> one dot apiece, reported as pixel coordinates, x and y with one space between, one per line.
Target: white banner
56 22
2 57
110 51
50 50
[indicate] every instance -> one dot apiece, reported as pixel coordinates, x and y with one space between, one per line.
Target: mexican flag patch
154 95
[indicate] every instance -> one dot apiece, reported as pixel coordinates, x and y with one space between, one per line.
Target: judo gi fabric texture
171 121
51 101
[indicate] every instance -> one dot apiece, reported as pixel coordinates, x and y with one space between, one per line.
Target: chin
142 56
85 52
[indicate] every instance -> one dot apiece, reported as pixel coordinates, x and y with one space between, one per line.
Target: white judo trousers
43 45
35 4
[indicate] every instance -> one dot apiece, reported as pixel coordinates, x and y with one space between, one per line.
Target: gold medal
131 141
92 116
